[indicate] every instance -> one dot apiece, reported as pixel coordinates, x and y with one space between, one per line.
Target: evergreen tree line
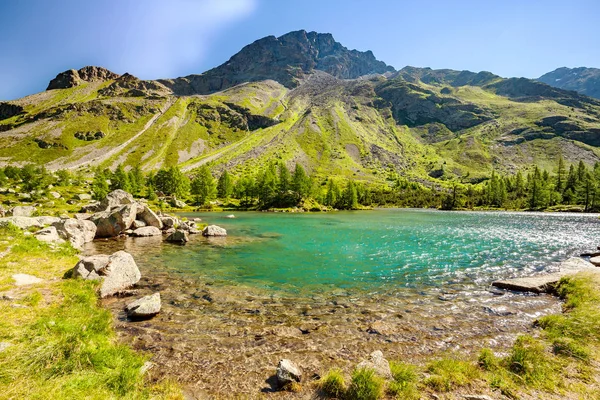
276 186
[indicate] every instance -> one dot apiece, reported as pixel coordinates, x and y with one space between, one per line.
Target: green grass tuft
404 383
448 374
365 385
333 384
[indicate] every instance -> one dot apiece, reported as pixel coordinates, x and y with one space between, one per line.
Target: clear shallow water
380 250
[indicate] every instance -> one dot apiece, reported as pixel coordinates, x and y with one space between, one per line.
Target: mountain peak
583 80
286 59
72 78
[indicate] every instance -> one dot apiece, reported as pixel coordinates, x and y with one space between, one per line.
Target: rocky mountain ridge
582 80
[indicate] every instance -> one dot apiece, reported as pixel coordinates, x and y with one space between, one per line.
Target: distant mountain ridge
303 98
582 80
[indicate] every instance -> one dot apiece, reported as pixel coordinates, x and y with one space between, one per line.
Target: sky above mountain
157 39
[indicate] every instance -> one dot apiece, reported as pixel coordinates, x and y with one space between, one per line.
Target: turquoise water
380 250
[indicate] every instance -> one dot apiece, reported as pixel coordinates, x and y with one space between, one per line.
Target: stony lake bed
325 290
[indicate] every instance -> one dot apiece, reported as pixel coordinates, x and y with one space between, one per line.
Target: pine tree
225 186
284 178
301 182
120 180
333 193
266 185
560 176
136 180
203 186
350 198
99 185
538 195
172 182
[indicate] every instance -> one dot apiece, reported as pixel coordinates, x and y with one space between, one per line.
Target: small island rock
179 236
144 308
288 372
214 230
147 231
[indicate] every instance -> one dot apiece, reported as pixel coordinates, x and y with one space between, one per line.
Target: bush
333 384
365 385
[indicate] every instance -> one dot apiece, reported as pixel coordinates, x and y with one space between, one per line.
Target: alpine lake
327 289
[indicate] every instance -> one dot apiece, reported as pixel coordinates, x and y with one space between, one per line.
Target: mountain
582 80
303 98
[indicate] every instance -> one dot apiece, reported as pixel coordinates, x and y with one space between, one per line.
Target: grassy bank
61 344
561 362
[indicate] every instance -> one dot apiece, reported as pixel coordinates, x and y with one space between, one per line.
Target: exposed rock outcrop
8 110
72 78
115 220
25 279
48 235
77 232
21 222
23 211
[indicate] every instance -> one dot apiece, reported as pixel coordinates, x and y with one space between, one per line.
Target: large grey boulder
77 232
118 271
169 222
138 224
179 236
47 220
48 235
144 308
116 198
546 283
112 222
288 372
214 230
23 211
377 363
21 222
145 214
147 231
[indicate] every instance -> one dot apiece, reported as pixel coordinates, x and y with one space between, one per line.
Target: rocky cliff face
583 80
72 78
286 59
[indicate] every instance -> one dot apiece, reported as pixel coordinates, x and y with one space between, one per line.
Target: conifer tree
225 185
203 186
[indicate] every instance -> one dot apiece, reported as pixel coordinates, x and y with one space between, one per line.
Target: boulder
84 196
230 216
138 224
144 308
377 363
288 372
21 222
187 225
92 207
546 283
46 220
145 214
595 260
214 230
48 235
23 211
169 222
118 271
77 232
25 279
177 203
112 222
54 195
82 216
169 231
179 236
116 198
147 231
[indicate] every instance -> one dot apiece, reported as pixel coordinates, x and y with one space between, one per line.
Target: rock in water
144 308
23 211
169 222
179 236
138 224
145 214
214 230
147 231
25 279
377 363
230 216
118 271
114 221
48 235
288 372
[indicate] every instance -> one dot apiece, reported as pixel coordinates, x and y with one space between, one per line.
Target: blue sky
164 39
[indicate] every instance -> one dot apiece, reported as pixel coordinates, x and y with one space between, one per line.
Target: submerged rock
288 372
144 308
377 363
214 230
118 271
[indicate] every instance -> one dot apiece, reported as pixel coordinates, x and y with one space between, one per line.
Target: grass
405 381
450 373
333 384
365 385
62 342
